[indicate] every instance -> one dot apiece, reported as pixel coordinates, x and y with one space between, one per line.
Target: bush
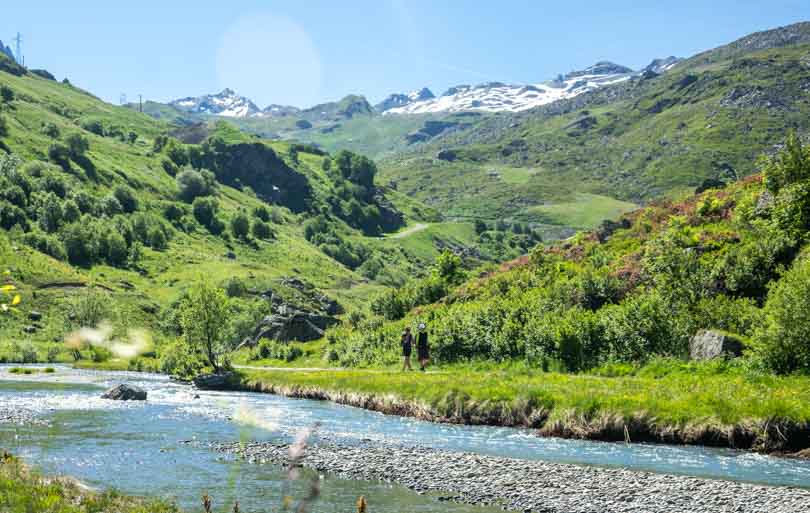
6 94
783 341
59 154
127 199
81 243
240 226
90 309
49 211
262 230
261 213
93 126
117 251
77 145
3 126
272 350
642 326
50 130
205 210
47 244
193 184
110 206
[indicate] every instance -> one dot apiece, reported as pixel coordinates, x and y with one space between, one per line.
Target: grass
690 403
585 211
23 490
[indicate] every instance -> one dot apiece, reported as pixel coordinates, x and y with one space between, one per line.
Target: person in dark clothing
407 345
422 349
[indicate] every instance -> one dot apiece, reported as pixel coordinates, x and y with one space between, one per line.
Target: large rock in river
124 392
709 344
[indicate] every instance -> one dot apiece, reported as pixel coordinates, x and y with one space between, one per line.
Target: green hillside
104 208
733 260
706 119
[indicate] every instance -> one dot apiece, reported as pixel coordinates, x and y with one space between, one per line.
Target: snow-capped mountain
401 100
226 103
659 66
497 96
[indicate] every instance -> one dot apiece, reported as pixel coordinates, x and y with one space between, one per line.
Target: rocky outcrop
400 100
125 392
289 325
219 381
446 155
710 344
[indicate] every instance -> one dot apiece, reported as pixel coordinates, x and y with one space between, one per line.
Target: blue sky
304 52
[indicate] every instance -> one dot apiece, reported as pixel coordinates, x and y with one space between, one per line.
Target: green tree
203 317
262 213
3 126
240 226
784 340
59 154
49 211
116 246
448 268
480 226
789 166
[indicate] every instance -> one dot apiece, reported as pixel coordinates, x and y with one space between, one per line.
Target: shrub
86 202
194 184
90 309
47 244
81 243
59 154
205 210
642 326
270 349
50 130
70 211
6 94
117 251
240 226
262 230
3 126
49 211
110 206
93 126
261 213
783 341
77 145
126 197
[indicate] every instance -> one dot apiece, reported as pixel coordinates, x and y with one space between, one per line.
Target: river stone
709 344
213 381
124 392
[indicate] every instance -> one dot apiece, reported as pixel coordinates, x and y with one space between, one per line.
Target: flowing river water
138 447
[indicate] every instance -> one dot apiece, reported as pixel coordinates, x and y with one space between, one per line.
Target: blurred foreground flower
137 342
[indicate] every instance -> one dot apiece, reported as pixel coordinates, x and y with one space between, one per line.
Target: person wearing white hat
422 348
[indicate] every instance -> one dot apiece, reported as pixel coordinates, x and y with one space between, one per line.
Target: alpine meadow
588 293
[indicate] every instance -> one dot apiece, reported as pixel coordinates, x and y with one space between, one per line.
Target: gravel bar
530 486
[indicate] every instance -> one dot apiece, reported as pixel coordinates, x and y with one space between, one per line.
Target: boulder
34 315
218 381
124 392
709 344
447 155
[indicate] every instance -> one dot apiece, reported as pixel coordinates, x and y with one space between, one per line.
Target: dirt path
418 227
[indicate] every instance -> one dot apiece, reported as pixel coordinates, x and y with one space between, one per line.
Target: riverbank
529 486
763 414
23 490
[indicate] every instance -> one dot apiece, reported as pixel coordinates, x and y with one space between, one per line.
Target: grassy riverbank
665 402
23 490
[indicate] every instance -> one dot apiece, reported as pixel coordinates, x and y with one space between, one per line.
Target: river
137 447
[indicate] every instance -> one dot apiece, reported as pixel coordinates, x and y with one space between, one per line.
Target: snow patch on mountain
226 103
497 96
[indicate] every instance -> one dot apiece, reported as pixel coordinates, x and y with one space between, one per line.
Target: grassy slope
653 137
23 490
163 275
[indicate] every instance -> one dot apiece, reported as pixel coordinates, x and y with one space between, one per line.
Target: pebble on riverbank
531 486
